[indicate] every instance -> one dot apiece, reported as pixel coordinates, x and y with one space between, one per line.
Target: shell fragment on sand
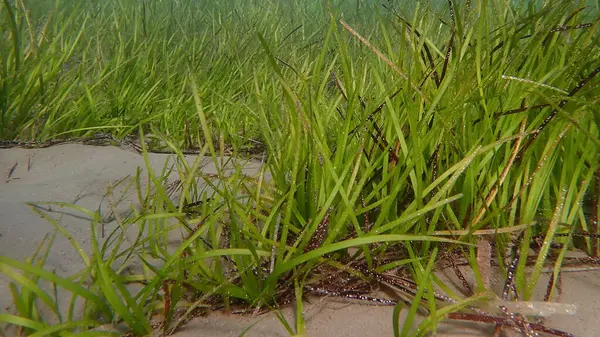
543 309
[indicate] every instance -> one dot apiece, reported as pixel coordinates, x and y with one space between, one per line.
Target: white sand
70 173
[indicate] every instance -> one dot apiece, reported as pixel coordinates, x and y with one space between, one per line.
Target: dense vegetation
385 128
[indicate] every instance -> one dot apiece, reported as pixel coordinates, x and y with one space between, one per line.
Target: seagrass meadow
396 139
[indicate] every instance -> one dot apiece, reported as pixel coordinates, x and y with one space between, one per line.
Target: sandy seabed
77 173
